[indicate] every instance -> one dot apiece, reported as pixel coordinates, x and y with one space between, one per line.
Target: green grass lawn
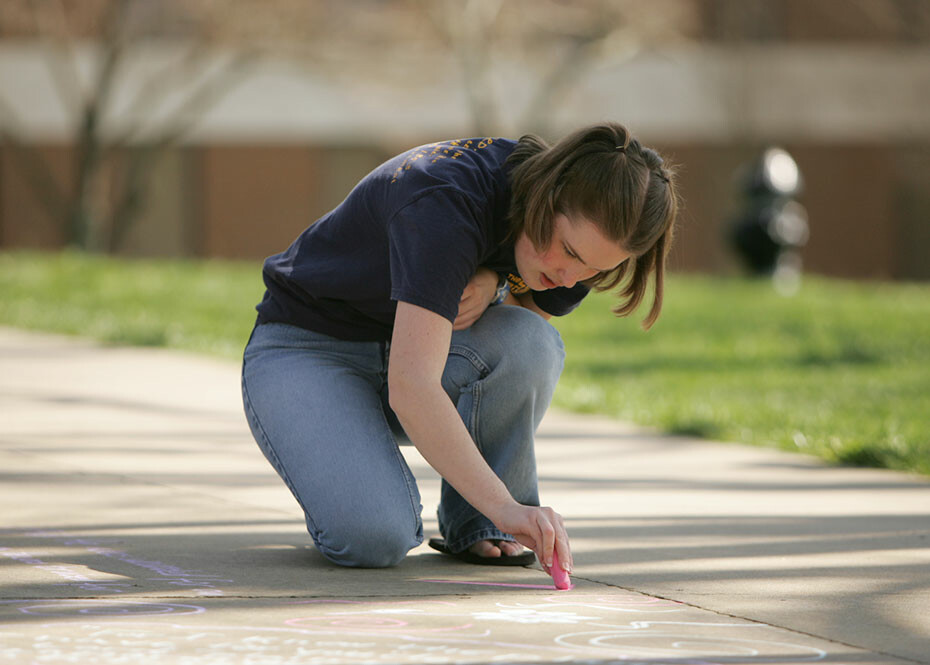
841 371
202 306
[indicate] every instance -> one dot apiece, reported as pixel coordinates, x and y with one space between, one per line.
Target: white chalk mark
700 645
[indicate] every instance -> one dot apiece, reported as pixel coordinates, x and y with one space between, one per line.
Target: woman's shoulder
469 173
472 165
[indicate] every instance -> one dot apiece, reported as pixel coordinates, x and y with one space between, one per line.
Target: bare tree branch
160 84
59 54
466 26
145 158
559 80
212 86
83 223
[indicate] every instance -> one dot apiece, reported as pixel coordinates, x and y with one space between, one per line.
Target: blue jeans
318 409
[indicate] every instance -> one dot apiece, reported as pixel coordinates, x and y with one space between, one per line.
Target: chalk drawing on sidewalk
359 616
200 583
529 615
76 575
65 608
365 623
535 624
709 649
408 631
546 587
621 602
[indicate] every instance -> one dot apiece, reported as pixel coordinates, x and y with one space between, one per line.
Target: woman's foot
496 548
489 553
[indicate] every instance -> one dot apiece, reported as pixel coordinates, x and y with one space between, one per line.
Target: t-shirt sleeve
435 242
561 301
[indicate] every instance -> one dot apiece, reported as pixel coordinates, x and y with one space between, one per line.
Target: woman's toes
510 549
485 548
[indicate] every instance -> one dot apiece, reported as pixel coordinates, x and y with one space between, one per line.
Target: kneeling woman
419 306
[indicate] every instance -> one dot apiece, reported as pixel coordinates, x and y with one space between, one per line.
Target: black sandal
525 559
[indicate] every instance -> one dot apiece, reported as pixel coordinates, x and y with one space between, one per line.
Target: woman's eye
569 252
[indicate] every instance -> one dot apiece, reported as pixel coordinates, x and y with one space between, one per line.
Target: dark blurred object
771 229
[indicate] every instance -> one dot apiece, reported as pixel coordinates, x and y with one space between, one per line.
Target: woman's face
578 251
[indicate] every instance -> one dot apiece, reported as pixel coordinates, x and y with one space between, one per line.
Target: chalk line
547 587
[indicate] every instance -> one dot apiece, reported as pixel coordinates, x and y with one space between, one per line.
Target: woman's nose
568 277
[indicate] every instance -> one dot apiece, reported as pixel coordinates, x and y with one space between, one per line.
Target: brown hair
603 174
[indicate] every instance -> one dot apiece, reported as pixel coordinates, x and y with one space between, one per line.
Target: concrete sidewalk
140 524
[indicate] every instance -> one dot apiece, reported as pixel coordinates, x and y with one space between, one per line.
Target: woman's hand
476 297
540 529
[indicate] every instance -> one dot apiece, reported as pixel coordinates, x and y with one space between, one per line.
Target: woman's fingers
555 537
547 535
466 315
541 530
476 297
562 545
464 320
525 540
471 307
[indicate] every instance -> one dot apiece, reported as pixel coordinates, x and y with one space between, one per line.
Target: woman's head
599 176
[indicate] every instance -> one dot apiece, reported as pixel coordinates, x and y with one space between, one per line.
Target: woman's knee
534 345
515 345
371 536
510 323
368 547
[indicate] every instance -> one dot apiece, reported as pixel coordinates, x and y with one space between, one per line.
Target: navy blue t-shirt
414 230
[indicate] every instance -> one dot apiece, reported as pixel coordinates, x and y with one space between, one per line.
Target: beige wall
254 200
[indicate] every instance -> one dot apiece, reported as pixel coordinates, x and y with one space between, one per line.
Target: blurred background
153 152
200 128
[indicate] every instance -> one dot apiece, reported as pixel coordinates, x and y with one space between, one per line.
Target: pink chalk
559 576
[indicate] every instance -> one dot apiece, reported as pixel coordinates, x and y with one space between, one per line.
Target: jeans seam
473 357
483 370
473 417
